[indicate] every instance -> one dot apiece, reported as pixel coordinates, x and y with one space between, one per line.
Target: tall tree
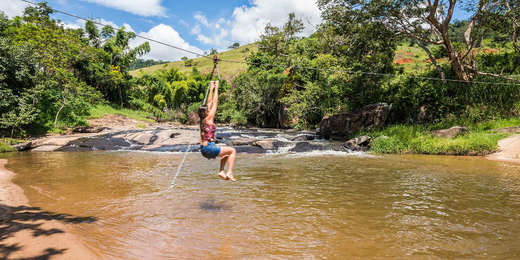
427 22
121 55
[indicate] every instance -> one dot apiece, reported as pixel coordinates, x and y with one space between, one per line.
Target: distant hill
412 59
139 63
227 69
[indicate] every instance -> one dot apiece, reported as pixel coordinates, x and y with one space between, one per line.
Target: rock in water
360 143
265 144
347 124
451 132
23 147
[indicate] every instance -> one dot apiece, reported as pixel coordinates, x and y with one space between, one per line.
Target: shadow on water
212 205
22 218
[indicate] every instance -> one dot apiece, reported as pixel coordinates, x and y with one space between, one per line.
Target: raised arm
210 95
213 108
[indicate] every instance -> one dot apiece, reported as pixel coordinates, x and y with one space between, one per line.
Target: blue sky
197 25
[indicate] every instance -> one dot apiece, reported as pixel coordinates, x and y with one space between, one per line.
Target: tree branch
494 75
434 62
447 20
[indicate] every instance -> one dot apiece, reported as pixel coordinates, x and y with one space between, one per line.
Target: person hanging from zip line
208 148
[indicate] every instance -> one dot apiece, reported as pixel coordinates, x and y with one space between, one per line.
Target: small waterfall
285 149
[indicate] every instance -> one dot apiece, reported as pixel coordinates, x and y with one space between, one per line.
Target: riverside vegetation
53 78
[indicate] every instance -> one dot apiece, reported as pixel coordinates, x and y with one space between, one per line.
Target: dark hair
203 112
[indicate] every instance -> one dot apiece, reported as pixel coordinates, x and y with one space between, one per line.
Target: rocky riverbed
176 138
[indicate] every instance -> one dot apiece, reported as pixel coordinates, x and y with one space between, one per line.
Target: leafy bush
418 140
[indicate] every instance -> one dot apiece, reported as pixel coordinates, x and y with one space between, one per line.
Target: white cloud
12 8
71 25
138 7
81 24
248 22
202 19
128 28
196 29
218 40
165 33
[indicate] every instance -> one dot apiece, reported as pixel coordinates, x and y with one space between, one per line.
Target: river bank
118 132
32 233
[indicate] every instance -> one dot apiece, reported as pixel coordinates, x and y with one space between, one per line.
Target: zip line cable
138 36
180 167
279 65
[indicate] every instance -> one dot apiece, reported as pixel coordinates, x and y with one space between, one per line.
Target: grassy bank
480 140
5 144
5 148
100 111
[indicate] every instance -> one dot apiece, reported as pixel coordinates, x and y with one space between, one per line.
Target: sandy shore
509 150
32 233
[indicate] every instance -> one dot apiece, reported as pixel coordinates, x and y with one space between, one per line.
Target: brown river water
284 206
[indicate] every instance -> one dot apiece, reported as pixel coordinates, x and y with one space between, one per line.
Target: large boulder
88 129
241 141
360 143
347 124
106 142
451 132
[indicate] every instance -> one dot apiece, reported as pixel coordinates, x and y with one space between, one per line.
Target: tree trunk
443 28
12 132
58 114
120 96
455 60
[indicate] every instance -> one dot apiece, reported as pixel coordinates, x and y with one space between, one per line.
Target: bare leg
222 173
231 163
230 154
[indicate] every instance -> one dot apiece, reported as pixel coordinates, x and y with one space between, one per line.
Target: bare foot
223 175
230 177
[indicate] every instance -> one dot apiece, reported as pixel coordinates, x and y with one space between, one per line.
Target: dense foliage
50 76
348 63
170 94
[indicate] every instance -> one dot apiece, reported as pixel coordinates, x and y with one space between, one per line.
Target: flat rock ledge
179 139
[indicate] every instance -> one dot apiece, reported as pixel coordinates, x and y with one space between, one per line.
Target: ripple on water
312 205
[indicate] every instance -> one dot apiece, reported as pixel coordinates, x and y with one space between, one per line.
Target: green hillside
412 59
227 69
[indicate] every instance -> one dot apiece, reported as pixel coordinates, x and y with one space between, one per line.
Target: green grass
480 140
227 69
5 148
100 111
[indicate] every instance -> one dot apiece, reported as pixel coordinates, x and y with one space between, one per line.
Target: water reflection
284 206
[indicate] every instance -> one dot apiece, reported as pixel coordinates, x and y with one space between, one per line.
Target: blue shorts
210 151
